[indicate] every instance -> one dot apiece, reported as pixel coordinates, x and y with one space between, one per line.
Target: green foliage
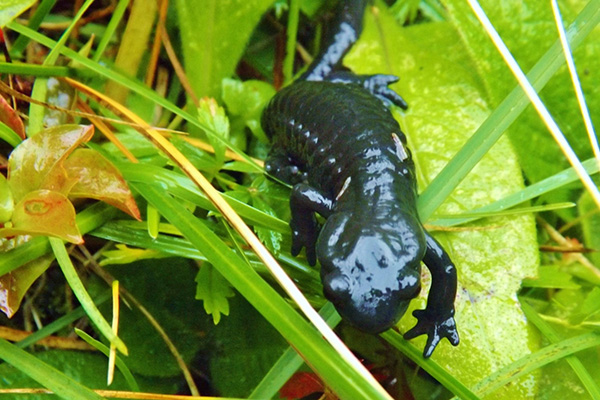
213 38
454 83
213 290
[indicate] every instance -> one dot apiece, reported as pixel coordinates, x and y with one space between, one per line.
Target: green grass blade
432 368
135 234
536 101
574 362
117 15
290 46
585 112
106 351
536 360
181 186
537 189
9 136
23 69
82 295
504 115
44 374
449 220
34 23
340 376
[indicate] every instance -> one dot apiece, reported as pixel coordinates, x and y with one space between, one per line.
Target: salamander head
370 272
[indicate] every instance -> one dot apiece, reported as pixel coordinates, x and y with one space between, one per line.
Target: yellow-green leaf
44 212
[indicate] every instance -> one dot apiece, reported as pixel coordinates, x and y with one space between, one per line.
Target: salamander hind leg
304 202
280 165
437 320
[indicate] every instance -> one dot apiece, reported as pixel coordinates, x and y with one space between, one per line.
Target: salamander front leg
437 320
376 84
279 164
304 202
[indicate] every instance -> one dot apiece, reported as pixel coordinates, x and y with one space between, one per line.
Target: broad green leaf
37 162
98 178
10 9
44 212
445 106
7 204
213 38
15 284
213 290
528 28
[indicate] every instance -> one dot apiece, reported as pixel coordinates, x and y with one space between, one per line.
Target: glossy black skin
336 141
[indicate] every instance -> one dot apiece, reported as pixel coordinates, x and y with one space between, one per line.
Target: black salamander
336 141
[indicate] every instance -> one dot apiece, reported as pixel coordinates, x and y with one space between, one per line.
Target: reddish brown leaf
300 385
37 162
99 179
43 212
15 284
10 118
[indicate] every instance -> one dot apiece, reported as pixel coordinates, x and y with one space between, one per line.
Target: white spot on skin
344 187
400 150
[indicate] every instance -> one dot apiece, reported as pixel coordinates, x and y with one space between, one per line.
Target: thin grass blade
504 115
583 374
585 113
536 101
82 295
44 374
